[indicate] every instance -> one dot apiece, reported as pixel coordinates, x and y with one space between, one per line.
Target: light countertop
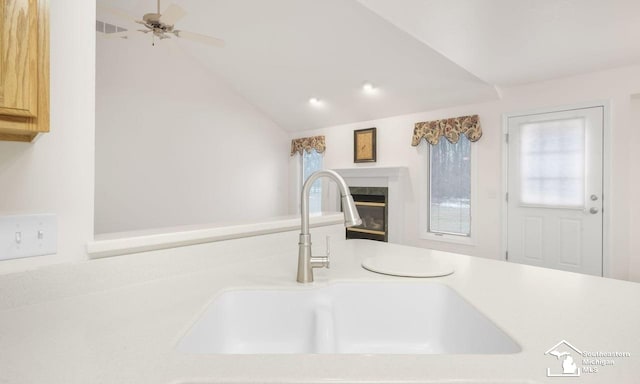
125 331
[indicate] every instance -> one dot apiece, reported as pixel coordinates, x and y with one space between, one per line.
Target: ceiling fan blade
204 39
115 12
172 14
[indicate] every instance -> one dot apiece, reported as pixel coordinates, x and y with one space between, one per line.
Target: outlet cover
27 236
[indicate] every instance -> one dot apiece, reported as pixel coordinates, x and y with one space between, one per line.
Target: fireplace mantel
395 179
373 172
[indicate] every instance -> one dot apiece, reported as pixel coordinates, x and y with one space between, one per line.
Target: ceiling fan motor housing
151 17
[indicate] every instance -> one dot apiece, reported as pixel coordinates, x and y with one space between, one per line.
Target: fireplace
394 180
373 209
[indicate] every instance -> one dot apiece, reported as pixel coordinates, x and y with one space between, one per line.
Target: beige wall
54 174
176 145
634 190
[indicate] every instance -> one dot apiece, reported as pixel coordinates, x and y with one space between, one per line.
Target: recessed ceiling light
315 102
369 88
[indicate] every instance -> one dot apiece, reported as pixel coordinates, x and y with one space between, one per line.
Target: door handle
593 210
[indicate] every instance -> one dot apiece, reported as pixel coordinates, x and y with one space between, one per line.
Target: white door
554 183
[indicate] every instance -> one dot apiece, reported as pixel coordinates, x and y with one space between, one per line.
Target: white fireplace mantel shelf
373 171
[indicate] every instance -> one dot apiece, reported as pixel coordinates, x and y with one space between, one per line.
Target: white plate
407 265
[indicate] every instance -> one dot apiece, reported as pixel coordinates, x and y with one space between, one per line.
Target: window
552 165
449 208
312 162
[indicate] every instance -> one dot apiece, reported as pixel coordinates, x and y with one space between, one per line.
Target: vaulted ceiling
420 54
507 42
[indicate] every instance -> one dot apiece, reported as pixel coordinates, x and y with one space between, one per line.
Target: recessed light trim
369 88
316 102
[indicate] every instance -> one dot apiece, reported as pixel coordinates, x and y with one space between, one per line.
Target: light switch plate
27 236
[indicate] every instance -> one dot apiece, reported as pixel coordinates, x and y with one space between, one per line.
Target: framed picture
364 145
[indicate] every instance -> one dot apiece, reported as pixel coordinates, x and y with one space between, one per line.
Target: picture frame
364 145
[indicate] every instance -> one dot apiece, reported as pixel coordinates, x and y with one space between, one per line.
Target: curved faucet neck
306 188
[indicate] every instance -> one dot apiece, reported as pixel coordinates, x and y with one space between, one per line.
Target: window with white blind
552 163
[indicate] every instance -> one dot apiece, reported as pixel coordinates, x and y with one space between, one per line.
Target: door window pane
450 187
552 163
312 162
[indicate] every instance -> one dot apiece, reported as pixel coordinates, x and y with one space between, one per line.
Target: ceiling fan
162 25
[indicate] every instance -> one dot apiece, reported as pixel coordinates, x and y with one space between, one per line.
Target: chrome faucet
306 262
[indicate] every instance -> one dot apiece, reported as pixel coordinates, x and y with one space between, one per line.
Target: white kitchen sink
366 318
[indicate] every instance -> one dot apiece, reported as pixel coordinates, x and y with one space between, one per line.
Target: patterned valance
431 131
307 144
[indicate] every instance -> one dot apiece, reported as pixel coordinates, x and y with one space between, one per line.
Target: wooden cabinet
24 69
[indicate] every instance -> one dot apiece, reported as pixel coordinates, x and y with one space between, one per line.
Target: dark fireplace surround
372 204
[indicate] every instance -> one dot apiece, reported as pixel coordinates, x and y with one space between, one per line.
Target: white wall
55 173
175 145
394 137
634 190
